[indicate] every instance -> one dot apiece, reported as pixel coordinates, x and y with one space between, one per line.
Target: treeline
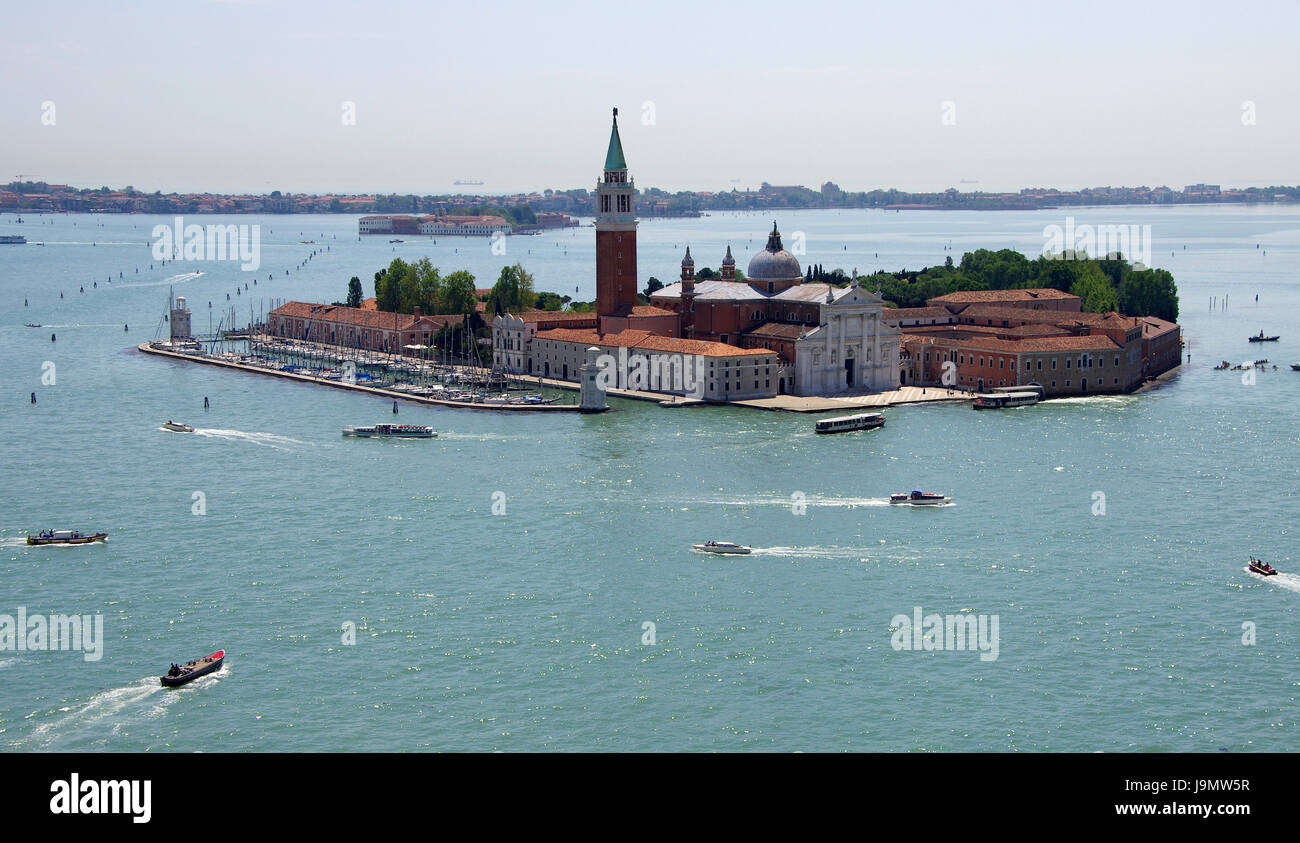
401 287
1104 284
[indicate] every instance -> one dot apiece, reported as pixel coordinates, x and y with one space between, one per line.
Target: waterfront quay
396 389
874 400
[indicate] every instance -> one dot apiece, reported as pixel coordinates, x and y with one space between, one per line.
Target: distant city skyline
234 97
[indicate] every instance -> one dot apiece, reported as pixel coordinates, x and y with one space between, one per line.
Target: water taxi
180 674
1002 400
842 424
722 547
178 427
66 537
918 498
1261 338
395 431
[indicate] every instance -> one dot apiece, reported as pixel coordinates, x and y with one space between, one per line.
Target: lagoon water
526 630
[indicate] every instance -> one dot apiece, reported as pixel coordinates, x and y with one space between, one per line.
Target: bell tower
688 295
615 233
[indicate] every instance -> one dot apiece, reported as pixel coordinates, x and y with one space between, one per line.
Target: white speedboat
722 547
177 427
394 431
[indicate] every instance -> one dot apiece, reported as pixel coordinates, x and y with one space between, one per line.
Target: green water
524 630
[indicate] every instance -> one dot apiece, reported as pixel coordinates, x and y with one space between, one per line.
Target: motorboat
1295 367
842 424
1261 338
722 547
179 674
1001 400
918 498
66 537
1262 568
394 431
178 427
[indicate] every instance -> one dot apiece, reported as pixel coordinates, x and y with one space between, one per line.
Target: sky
321 97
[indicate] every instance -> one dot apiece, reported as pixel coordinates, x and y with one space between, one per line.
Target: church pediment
856 296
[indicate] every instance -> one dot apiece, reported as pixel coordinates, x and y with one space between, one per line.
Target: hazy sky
249 96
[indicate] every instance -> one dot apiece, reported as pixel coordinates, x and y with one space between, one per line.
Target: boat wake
1100 400
107 713
102 715
479 437
15 541
1291 582
267 440
165 282
814 552
790 500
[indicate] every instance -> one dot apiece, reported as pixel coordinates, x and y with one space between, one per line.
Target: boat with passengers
393 431
999 400
843 424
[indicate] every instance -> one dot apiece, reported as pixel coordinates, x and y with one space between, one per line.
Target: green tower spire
614 158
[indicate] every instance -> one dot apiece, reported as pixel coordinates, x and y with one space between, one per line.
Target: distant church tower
688 295
728 266
615 234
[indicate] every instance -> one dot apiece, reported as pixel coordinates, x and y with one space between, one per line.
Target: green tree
428 285
1149 292
1095 289
457 293
652 286
512 292
388 286
550 301
354 292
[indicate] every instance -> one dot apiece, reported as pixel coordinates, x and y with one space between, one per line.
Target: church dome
774 263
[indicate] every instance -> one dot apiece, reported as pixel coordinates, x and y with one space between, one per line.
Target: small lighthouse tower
593 391
180 321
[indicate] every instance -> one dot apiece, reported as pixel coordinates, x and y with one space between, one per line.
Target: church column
839 369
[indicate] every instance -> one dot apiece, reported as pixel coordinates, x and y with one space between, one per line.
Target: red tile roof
357 316
1034 294
646 340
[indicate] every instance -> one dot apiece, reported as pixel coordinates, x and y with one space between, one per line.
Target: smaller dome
728 260
688 260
